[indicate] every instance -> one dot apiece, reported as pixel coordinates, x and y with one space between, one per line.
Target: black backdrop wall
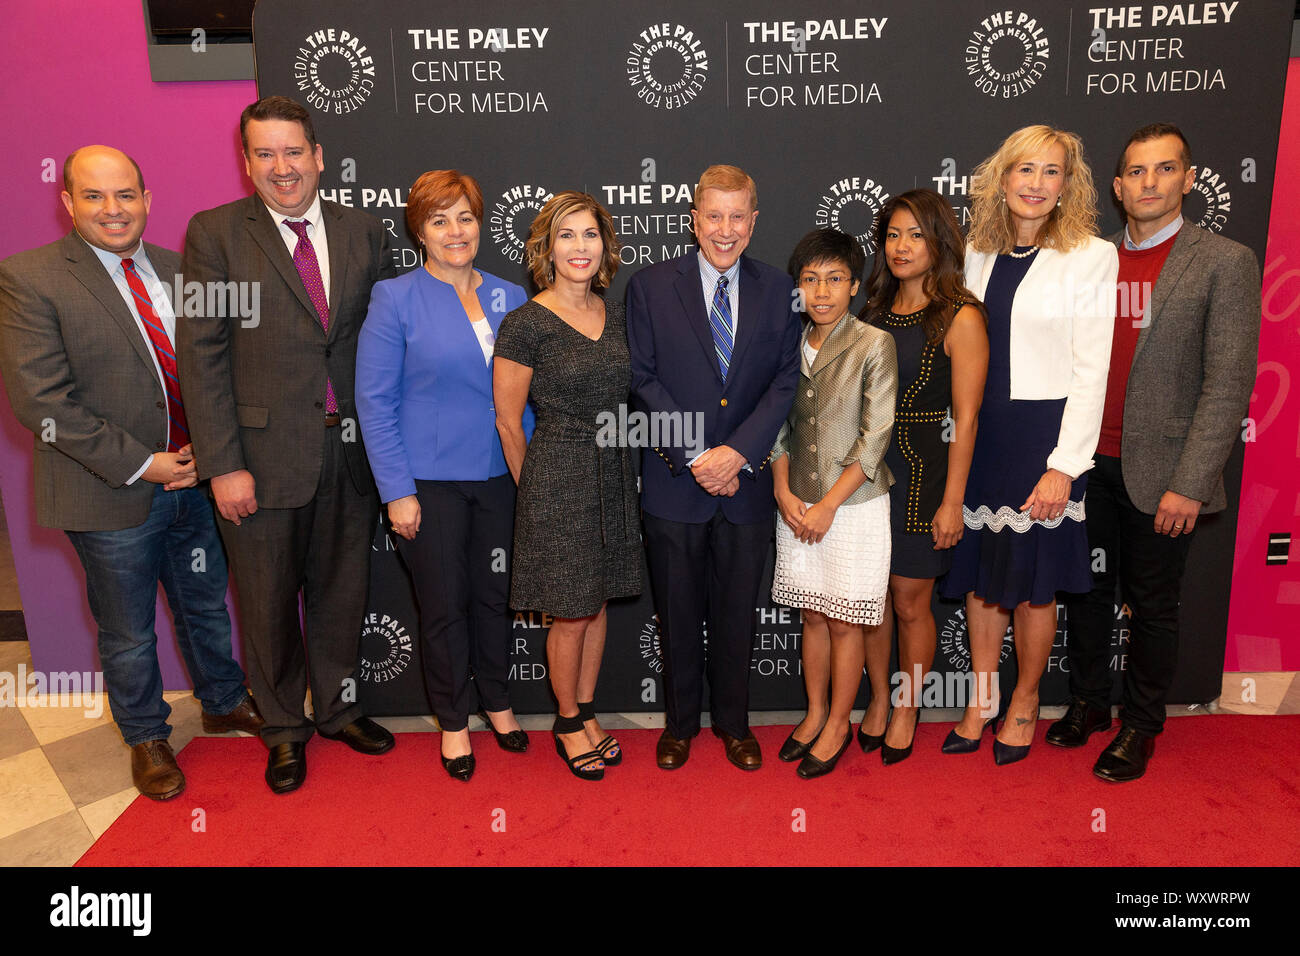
832 106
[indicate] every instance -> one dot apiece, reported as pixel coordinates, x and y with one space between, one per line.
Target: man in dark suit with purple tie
274 425
712 334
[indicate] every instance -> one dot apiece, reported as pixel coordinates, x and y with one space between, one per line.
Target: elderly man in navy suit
712 333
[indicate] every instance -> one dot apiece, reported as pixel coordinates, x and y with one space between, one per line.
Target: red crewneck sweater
1138 271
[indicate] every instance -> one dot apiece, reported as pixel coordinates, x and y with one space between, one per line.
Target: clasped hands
173 470
809 523
717 470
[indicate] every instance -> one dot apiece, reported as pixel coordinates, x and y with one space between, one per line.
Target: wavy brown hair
944 283
1068 225
541 238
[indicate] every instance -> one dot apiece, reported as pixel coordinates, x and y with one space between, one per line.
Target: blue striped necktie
720 323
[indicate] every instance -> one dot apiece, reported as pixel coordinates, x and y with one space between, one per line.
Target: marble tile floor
65 776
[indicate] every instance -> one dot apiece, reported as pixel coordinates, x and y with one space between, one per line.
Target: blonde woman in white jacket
1048 284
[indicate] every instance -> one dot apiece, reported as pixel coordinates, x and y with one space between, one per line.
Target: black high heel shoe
811 767
459 768
955 743
891 755
793 750
1004 754
515 741
609 750
578 765
869 742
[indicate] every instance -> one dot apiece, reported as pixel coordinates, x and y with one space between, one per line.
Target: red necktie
304 260
178 432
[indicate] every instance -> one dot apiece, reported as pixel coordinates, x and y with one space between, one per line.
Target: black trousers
708 572
323 551
1149 569
460 566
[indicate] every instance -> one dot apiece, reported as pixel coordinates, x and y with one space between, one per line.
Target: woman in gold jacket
831 486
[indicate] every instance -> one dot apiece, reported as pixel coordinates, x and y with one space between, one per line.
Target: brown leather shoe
245 717
154 771
672 753
743 752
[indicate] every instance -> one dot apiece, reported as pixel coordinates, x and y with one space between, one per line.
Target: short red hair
440 189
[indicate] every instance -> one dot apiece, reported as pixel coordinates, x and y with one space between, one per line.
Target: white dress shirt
315 232
159 295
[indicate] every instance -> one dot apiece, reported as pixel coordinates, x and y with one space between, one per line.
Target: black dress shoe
515 741
793 750
870 742
1080 722
812 767
459 768
286 767
364 736
1126 757
955 743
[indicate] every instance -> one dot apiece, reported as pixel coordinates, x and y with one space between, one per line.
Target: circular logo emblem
512 215
385 648
1007 54
667 66
334 71
954 646
1212 189
851 205
649 645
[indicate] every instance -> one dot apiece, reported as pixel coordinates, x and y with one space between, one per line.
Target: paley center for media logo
334 71
667 65
1007 53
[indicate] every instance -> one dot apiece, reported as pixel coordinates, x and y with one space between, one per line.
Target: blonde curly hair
1068 225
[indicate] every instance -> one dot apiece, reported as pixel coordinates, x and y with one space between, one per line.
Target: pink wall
1264 615
81 75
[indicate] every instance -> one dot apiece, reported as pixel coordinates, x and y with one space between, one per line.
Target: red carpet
1221 790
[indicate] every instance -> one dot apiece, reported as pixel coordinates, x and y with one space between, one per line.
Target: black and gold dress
918 454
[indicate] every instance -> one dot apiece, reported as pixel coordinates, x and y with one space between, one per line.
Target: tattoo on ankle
1021 721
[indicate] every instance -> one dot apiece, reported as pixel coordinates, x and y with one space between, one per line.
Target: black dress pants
1149 569
321 550
707 572
460 566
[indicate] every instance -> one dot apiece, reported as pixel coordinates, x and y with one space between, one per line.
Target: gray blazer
1193 371
843 412
254 394
79 371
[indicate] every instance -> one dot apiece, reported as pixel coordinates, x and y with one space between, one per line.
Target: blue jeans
177 545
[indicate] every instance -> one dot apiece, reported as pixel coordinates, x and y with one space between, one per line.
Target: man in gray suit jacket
1182 368
86 333
270 392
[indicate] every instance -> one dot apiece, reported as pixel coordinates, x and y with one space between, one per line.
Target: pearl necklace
1024 255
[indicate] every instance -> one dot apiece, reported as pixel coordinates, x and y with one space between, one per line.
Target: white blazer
1062 322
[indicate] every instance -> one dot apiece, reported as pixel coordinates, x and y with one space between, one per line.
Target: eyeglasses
833 282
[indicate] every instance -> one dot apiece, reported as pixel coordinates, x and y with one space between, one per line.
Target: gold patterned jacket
843 412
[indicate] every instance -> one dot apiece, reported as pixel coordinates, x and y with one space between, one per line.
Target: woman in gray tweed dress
577 521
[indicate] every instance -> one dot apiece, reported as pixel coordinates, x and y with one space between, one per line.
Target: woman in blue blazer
424 398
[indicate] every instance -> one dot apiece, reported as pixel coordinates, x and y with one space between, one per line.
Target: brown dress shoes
741 751
154 770
672 753
245 717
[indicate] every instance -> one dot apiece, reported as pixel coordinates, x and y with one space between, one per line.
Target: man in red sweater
1181 371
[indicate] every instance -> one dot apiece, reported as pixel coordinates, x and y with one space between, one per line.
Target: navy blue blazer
675 370
424 393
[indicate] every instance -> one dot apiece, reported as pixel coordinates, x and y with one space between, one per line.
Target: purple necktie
304 260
